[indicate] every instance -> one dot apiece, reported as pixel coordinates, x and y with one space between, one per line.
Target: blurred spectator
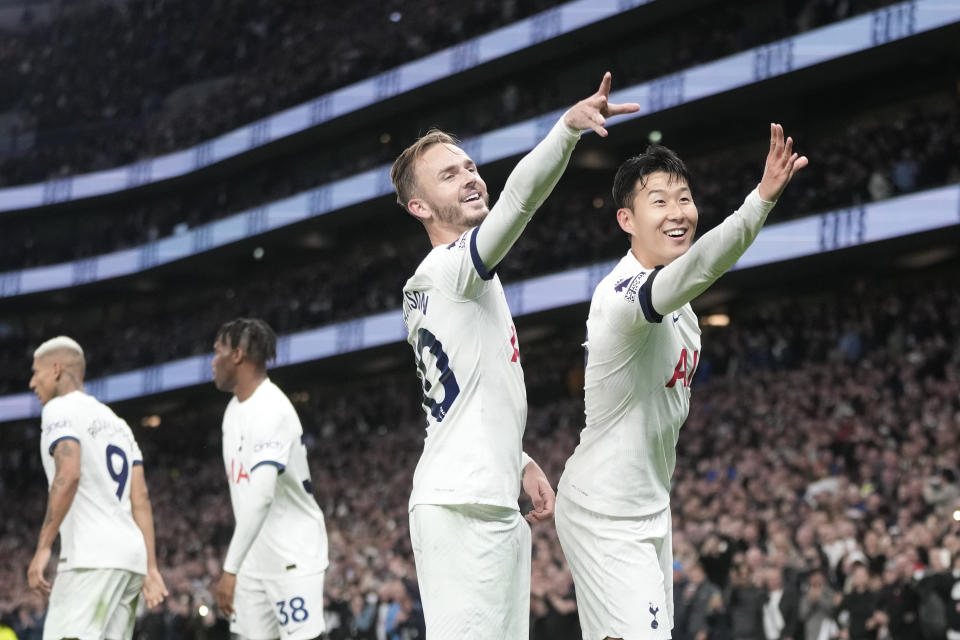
857 612
696 600
815 609
780 611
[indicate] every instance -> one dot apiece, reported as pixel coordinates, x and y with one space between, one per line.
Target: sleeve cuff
524 461
482 271
570 131
765 205
646 298
280 466
60 439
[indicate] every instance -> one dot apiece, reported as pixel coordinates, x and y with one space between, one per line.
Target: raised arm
66 480
251 513
537 173
154 589
719 249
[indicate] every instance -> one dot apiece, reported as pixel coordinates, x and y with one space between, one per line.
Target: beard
454 215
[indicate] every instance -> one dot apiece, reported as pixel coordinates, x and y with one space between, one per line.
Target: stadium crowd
255 58
814 495
909 147
175 78
910 152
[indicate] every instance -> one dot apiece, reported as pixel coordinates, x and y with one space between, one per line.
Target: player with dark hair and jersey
471 546
272 583
643 345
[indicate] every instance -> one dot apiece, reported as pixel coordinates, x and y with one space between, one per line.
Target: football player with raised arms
643 345
471 546
272 583
98 502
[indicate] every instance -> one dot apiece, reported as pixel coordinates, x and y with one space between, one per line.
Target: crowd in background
892 149
103 85
817 475
878 157
113 226
168 76
813 499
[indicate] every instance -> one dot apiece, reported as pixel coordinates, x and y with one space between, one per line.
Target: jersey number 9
120 477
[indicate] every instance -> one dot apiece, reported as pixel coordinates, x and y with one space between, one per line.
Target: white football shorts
93 604
622 571
473 566
288 607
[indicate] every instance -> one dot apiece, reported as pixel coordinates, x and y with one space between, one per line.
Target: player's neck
247 384
442 234
647 261
67 385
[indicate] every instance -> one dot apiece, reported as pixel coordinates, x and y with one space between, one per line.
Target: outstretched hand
592 112
782 163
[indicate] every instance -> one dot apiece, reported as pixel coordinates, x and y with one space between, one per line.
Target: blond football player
471 546
98 503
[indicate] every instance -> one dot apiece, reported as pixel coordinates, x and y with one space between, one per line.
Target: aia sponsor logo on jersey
237 473
683 372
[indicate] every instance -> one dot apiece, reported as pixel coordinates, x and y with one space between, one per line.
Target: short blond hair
70 351
402 172
60 343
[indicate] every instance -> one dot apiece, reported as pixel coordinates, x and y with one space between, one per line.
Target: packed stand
908 147
574 228
100 83
259 58
814 494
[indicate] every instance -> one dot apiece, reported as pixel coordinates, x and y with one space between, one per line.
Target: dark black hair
254 336
636 169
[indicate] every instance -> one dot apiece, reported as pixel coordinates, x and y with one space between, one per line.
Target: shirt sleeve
250 514
625 303
136 456
529 184
56 424
270 442
462 268
710 257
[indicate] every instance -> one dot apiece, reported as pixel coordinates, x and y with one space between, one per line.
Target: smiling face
662 219
450 193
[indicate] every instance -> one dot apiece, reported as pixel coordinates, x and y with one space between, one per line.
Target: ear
419 209
237 356
57 370
625 219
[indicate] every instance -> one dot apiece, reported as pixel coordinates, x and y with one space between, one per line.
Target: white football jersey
468 360
637 396
265 429
98 531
